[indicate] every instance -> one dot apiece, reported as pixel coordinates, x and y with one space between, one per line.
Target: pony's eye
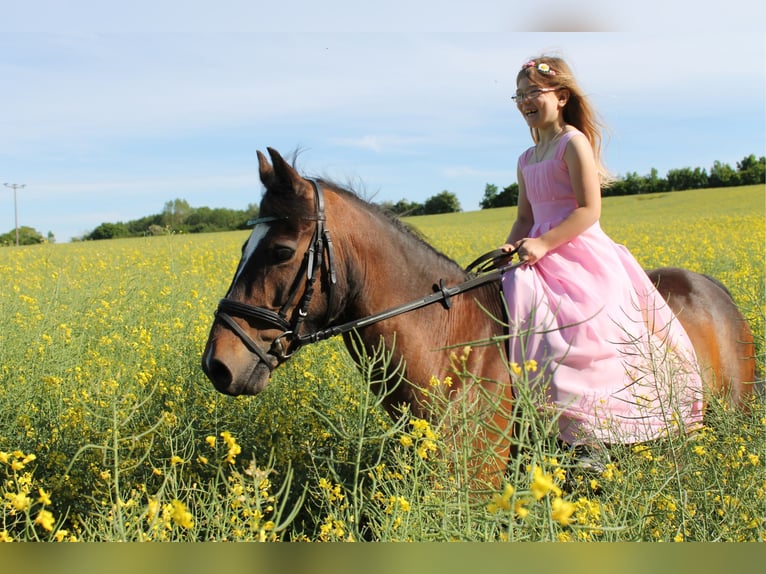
282 253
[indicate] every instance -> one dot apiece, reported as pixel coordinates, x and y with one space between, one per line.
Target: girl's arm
524 218
586 185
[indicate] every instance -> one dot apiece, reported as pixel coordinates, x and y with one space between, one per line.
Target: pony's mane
391 218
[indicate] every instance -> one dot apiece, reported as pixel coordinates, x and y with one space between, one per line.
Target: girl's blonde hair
554 72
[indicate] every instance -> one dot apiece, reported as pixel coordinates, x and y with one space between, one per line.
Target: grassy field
110 431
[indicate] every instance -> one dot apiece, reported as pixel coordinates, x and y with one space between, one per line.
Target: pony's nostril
218 373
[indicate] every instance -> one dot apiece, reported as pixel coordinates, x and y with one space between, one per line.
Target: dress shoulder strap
526 156
561 147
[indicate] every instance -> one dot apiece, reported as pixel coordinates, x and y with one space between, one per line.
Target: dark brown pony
320 262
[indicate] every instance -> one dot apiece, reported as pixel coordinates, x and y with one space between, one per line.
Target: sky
108 112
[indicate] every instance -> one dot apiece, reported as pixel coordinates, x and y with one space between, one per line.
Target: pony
322 262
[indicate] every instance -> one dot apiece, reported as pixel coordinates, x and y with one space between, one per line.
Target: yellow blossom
234 448
520 508
562 510
425 447
20 501
405 440
44 498
46 520
180 515
542 484
153 507
501 501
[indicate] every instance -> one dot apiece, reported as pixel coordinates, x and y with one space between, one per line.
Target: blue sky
107 114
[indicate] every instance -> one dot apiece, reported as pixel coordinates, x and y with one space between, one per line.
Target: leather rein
486 269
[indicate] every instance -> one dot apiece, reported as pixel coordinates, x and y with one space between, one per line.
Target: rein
490 267
442 293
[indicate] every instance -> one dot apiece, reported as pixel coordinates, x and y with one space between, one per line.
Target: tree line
178 216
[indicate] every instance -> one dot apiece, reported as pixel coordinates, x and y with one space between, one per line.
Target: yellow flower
20 501
234 448
405 440
44 498
530 365
501 501
210 439
700 450
515 368
562 510
153 507
5 537
46 520
175 459
426 446
180 515
520 508
4 459
60 535
542 484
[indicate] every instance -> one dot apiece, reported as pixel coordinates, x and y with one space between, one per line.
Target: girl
615 364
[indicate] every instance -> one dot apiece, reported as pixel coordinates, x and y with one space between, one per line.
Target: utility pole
16 186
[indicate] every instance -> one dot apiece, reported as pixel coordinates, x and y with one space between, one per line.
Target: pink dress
612 360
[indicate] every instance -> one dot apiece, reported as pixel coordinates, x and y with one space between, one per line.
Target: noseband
290 339
489 267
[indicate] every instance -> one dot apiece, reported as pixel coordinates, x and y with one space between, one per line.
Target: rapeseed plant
109 431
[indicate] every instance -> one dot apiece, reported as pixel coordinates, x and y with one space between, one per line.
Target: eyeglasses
533 94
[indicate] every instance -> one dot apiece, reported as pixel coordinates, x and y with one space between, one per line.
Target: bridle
312 263
490 267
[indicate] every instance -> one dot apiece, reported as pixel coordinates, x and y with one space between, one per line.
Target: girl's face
540 106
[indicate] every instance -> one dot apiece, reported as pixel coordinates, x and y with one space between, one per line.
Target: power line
16 186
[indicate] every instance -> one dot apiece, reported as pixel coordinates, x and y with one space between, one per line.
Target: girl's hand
531 250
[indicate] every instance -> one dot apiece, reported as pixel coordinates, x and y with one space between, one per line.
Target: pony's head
281 287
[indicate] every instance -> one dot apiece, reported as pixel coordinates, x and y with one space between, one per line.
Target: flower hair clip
542 67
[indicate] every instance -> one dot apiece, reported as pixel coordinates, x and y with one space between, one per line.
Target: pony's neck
386 261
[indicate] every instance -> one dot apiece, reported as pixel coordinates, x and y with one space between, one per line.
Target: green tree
722 175
751 171
687 178
403 207
109 231
27 236
175 213
444 202
490 196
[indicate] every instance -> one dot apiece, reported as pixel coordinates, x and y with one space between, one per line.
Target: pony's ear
282 175
266 171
